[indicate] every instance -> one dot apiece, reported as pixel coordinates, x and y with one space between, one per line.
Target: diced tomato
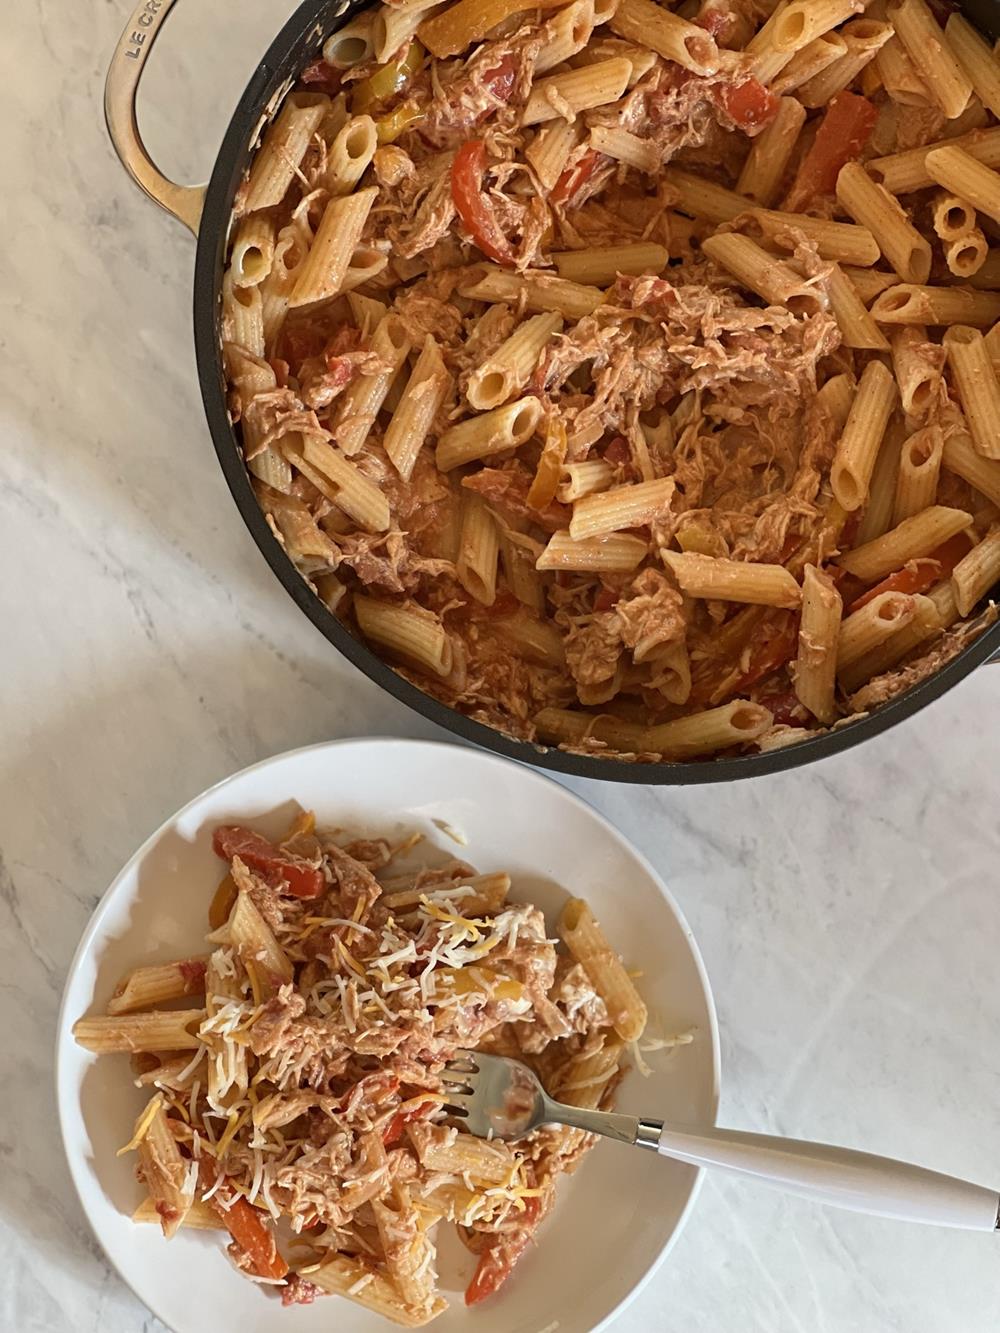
244 1224
497 1260
749 105
774 644
321 77
500 81
297 344
785 708
283 871
574 178
473 205
844 130
606 598
394 1131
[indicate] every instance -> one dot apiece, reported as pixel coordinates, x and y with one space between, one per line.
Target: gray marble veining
848 913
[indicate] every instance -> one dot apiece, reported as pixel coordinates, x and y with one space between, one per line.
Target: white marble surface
848 913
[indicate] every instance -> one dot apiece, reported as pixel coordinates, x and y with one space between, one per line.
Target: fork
496 1097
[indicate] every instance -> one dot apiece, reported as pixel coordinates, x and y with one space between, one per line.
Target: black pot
207 211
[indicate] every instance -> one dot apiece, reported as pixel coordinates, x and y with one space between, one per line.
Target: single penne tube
977 387
670 673
350 155
770 153
322 272
243 316
911 303
357 495
587 942
902 173
858 447
870 626
863 39
580 479
427 388
486 893
563 35
959 172
488 433
804 20
408 631
406 1246
733 580
145 987
290 251
960 456
253 251
966 255
876 517
629 506
615 552
548 152
931 53
919 468
602 264
992 339
361 402
926 622
565 726
624 146
393 27
977 60
537 639
478 550
521 575
199 1217
169 1176
917 364
768 61
468 21
899 75
977 573
738 722
754 268
952 217
359 1281
809 62
869 282
353 44
703 199
576 90
508 370
872 206
815 671
283 149
266 963
667 34
845 242
167 1030
539 291
914 537
487 1162
857 328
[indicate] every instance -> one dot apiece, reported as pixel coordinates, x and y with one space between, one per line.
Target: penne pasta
966 255
776 282
539 291
870 626
733 580
630 506
919 468
413 417
863 39
358 1281
859 444
902 173
508 370
770 153
601 265
959 172
876 516
342 482
322 273
283 149
909 303
146 987
588 944
814 675
804 20
977 386
871 206
977 573
624 146
667 34
253 251
960 456
350 154
563 35
584 479
576 90
167 1175
899 75
614 552
132 1033
931 53
841 241
353 44
407 631
360 404
488 434
478 551
977 60
914 537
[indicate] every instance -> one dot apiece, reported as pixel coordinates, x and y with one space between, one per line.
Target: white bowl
614 1220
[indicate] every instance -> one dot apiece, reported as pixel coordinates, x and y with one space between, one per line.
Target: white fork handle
856 1180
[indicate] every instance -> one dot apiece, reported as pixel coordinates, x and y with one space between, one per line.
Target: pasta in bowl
155 915
627 380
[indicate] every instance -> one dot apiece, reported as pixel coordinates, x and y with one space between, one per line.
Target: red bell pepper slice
843 132
497 1260
244 1224
473 205
287 873
574 178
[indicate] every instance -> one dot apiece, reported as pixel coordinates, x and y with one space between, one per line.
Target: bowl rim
298 40
68 1106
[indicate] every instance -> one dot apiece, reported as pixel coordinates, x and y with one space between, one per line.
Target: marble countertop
848 913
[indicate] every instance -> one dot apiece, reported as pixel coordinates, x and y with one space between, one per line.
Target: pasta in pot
598 364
